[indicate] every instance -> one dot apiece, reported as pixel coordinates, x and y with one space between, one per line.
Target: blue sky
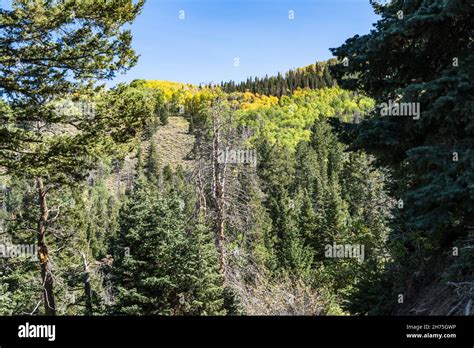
203 46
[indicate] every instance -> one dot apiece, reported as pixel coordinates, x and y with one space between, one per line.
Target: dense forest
295 194
313 76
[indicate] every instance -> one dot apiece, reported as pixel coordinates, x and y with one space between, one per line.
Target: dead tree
43 253
87 285
219 189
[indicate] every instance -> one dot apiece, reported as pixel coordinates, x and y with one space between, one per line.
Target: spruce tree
152 164
421 52
161 266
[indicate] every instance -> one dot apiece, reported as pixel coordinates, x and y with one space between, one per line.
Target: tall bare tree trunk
201 203
87 286
43 255
218 187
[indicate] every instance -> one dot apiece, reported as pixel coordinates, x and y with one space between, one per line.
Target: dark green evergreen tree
421 53
161 266
152 164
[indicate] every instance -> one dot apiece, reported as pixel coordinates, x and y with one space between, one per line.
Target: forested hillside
312 76
284 195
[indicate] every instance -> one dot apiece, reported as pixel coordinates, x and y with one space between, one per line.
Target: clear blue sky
202 46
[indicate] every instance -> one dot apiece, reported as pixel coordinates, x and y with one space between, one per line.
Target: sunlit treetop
251 101
170 88
287 123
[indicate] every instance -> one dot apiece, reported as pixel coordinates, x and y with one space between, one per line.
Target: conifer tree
152 164
162 266
420 53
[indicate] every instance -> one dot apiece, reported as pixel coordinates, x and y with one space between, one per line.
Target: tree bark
87 286
219 194
43 254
